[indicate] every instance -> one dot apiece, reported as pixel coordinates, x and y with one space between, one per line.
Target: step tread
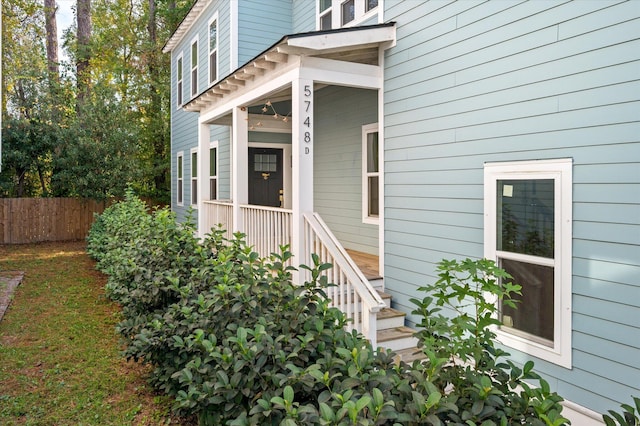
395 333
390 313
410 354
383 294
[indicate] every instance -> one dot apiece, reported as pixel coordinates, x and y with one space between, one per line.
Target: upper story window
370 5
213 49
179 70
528 208
348 11
341 13
325 16
194 67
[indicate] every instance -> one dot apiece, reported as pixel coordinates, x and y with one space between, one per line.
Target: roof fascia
187 22
337 40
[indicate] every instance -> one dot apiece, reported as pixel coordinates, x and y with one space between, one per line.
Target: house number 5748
307 119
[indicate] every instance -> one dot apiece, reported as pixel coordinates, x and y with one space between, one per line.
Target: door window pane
265 163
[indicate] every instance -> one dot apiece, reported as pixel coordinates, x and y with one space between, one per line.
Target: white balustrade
267 228
219 213
351 293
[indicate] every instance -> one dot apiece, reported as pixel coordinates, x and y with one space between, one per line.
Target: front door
265 177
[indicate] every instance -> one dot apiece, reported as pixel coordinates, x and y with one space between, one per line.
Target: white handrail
352 293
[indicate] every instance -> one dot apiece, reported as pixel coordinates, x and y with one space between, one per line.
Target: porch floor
368 263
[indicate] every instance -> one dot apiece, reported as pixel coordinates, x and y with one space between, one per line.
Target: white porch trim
292 68
302 106
287 163
239 161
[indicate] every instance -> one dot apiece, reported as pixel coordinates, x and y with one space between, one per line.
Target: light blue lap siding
304 16
260 24
339 115
469 83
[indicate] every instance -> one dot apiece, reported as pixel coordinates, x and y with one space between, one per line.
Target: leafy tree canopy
119 134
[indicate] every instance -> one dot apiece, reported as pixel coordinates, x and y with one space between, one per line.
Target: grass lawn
59 353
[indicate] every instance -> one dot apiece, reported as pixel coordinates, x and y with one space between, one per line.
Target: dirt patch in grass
60 361
9 280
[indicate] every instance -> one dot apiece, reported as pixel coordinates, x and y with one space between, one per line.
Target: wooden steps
395 335
392 333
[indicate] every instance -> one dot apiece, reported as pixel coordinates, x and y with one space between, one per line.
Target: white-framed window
179 79
180 180
213 49
527 231
194 177
370 174
340 13
194 67
213 170
347 12
325 15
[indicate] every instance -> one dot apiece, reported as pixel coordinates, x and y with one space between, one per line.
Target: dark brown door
265 176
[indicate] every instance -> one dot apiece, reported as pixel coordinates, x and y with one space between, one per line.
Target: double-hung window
180 181
179 70
194 177
348 11
528 215
194 67
213 49
213 170
325 15
369 5
340 13
370 174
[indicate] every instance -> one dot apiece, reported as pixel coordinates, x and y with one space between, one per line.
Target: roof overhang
196 10
347 50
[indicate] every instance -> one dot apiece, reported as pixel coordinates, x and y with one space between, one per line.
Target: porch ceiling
358 45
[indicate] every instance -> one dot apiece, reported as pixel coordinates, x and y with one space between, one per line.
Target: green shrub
236 342
629 417
462 358
114 227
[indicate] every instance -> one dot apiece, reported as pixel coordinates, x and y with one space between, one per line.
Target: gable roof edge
194 13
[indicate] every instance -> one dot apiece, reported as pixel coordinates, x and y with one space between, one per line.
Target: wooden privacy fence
31 220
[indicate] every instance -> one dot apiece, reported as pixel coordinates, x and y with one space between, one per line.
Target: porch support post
302 105
203 177
239 155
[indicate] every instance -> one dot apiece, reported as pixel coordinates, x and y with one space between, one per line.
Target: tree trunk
84 53
156 133
51 28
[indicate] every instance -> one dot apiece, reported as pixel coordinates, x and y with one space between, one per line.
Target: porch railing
219 213
352 293
267 228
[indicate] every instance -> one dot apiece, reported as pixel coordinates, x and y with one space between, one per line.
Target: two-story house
398 133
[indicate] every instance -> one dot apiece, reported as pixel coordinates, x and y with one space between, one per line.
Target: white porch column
203 177
302 106
239 155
